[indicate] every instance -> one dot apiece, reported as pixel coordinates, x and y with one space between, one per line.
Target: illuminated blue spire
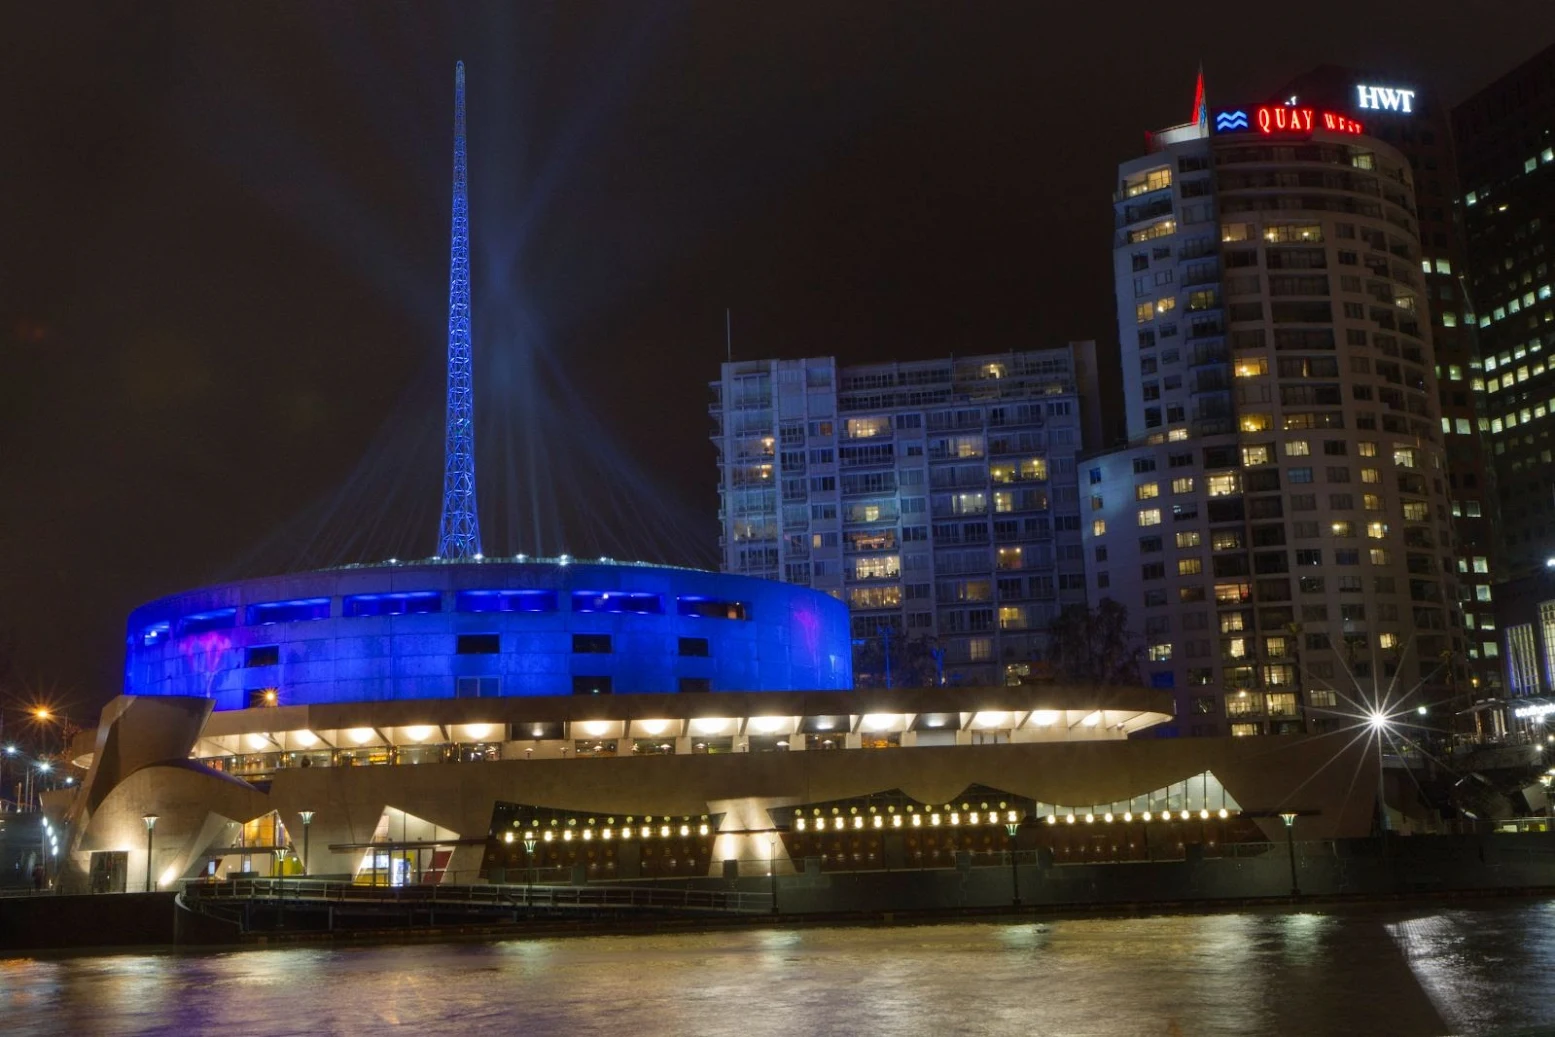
460 533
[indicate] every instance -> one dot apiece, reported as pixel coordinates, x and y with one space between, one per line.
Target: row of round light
626 832
910 820
1127 817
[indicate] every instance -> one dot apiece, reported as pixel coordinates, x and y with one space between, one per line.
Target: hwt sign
1385 99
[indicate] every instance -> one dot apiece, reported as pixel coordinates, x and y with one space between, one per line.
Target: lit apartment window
1150 180
1282 704
1147 491
1149 516
887 597
1286 233
1223 485
880 567
1161 653
1190 538
1189 566
1297 448
1183 485
1256 422
1252 367
865 428
1256 454
1233 593
1098 527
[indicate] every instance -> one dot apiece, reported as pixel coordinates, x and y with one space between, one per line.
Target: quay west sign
1282 120
1384 99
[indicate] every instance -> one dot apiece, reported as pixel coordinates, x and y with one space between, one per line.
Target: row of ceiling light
711 726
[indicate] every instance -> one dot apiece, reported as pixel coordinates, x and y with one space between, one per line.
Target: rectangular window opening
591 644
694 646
478 644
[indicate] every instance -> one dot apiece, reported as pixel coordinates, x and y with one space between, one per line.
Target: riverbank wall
1342 871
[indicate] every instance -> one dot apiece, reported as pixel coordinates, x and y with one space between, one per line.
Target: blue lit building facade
439 630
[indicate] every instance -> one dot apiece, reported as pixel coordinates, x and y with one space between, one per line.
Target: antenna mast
459 536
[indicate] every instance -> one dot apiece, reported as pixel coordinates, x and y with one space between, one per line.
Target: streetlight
529 856
1012 827
1378 722
772 840
1290 847
151 826
307 826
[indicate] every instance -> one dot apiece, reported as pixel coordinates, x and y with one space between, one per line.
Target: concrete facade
441 819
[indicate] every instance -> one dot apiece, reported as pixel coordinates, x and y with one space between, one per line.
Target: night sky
224 234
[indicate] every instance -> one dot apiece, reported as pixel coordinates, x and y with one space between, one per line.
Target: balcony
1132 214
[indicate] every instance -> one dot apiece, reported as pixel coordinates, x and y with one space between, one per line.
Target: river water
1478 969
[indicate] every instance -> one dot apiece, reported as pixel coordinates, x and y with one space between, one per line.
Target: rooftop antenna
728 335
1200 102
459 535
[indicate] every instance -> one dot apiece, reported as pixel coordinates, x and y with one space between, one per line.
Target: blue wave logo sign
1227 121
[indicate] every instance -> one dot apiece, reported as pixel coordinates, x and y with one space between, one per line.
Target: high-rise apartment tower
937 498
1279 524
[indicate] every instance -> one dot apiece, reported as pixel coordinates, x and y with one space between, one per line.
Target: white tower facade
1278 524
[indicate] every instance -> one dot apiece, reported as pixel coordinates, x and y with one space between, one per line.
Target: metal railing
549 897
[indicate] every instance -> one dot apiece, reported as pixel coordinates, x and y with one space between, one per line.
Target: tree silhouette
1095 646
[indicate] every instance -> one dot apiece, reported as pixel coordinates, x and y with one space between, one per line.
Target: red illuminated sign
1280 118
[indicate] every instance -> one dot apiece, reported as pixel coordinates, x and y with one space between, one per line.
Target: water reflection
1472 970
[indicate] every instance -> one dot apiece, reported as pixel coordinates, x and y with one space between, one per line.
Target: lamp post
529 858
1012 828
772 840
151 827
307 826
1379 725
1290 847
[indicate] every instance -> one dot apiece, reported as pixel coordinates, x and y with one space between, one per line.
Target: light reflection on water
1470 970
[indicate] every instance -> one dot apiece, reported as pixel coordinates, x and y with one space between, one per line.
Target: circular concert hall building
486 629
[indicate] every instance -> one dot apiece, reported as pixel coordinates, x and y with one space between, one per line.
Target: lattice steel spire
459 536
